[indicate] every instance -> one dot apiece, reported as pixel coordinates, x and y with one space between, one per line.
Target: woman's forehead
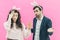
15 13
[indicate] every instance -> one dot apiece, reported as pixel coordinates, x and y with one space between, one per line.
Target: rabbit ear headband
36 4
14 7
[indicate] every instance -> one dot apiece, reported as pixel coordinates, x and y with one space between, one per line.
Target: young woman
14 27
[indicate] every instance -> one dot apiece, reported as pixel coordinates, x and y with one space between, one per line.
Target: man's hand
50 30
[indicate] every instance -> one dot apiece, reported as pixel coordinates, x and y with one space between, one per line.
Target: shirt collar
40 18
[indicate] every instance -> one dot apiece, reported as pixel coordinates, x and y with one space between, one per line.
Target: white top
38 24
16 33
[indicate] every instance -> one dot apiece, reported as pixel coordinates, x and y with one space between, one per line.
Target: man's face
37 12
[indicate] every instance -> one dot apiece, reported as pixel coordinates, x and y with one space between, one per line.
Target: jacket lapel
42 23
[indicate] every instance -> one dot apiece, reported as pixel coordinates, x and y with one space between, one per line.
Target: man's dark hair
40 7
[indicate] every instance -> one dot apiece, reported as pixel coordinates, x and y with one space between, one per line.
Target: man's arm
50 29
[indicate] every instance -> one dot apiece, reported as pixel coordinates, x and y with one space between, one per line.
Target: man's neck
39 17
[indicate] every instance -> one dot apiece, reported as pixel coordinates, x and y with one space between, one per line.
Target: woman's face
14 17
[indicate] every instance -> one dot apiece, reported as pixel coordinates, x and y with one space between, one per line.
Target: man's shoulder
47 19
44 18
34 18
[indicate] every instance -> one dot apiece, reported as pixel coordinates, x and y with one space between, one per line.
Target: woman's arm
26 31
7 24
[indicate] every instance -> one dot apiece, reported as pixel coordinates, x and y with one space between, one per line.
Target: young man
42 26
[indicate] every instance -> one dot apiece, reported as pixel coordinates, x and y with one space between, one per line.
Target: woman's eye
36 10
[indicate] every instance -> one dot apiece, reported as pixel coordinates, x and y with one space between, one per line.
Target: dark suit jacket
46 23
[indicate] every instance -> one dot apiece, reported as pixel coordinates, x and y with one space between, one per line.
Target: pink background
51 10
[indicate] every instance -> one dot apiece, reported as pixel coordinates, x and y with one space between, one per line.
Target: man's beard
37 16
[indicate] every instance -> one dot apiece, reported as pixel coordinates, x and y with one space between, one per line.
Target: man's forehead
36 8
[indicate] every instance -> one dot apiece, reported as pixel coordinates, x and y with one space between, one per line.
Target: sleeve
7 25
32 30
49 25
26 32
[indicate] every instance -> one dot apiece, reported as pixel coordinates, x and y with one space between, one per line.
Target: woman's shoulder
23 25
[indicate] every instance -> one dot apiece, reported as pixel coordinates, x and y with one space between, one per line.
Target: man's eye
36 11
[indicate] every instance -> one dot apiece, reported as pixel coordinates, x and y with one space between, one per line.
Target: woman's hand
29 26
11 15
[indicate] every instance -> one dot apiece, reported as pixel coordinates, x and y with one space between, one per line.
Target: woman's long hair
18 21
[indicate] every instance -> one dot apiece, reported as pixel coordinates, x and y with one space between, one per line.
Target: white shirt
38 24
16 33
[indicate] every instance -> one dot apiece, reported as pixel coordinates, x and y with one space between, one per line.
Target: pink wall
51 10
